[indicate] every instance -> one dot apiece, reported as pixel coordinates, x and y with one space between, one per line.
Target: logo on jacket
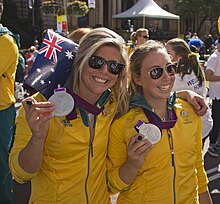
185 116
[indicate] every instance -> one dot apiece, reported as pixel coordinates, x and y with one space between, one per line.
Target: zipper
87 177
91 121
170 139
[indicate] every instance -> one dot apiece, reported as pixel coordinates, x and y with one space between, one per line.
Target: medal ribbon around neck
161 124
81 103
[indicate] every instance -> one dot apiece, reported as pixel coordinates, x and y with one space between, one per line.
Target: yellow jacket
8 64
159 182
69 173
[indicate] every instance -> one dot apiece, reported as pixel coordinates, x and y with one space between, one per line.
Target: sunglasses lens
146 37
96 62
156 73
114 67
171 69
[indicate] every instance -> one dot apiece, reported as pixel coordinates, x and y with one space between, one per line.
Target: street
212 166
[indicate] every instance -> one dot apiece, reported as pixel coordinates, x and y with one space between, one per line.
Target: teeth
164 87
100 80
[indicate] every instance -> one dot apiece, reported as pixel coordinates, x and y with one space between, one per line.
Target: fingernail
29 102
139 138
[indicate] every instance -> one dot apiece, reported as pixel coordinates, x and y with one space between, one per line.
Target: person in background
169 169
209 41
77 34
138 37
8 63
198 43
189 76
30 57
188 36
19 77
212 74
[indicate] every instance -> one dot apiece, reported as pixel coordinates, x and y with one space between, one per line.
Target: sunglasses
96 62
145 36
157 72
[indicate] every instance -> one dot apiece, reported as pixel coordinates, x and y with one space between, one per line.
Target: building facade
102 14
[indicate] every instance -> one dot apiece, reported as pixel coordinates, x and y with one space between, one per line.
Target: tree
204 9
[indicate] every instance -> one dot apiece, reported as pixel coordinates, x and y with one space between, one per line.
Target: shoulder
131 117
7 39
185 109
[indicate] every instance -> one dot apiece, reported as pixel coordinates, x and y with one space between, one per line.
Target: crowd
120 136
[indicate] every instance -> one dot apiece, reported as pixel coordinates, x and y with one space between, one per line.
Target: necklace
163 119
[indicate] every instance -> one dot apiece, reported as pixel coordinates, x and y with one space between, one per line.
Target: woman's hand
198 102
137 151
38 115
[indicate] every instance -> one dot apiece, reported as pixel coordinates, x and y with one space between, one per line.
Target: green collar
100 104
139 101
4 31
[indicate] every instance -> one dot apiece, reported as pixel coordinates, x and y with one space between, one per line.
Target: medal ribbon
81 103
161 124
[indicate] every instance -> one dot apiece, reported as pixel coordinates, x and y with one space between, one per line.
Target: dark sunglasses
114 67
157 72
145 36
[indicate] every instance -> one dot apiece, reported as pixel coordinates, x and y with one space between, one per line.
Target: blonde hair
138 32
32 48
91 42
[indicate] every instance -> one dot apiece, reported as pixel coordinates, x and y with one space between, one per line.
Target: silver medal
64 102
150 132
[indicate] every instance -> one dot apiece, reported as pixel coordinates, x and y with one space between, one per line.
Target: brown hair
136 61
188 62
77 34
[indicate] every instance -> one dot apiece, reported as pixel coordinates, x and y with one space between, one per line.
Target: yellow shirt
69 172
8 64
158 181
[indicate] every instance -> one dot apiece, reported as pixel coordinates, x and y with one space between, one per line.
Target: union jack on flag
52 46
53 64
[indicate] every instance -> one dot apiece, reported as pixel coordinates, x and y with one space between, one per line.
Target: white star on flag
69 54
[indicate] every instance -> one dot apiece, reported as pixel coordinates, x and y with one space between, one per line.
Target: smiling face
155 91
95 81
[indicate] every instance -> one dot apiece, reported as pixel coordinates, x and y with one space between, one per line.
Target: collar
152 116
4 31
85 107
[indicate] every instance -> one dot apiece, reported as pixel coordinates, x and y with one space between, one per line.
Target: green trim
5 31
101 102
137 101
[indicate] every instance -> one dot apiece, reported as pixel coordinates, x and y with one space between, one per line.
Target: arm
32 124
38 116
209 74
120 147
197 101
8 53
136 153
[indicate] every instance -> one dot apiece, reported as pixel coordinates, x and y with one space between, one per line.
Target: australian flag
53 64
